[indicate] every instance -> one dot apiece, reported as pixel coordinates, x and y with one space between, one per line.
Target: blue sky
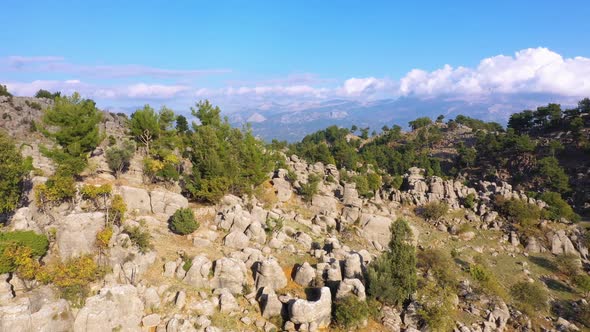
127 53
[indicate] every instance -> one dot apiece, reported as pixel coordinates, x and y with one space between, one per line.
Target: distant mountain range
292 121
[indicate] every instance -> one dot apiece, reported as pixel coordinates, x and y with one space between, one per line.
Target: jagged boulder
198 274
166 202
351 286
269 273
353 266
229 273
304 274
308 312
116 307
76 234
270 305
40 310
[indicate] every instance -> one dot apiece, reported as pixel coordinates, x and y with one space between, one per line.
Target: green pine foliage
72 123
350 312
392 276
225 159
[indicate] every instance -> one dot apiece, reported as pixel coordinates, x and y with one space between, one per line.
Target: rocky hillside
294 254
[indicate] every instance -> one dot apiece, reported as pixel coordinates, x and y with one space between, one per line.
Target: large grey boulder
5 288
256 233
375 228
270 305
353 266
282 188
116 307
350 287
304 274
236 240
166 202
350 196
136 199
198 274
307 312
229 273
76 234
269 273
324 204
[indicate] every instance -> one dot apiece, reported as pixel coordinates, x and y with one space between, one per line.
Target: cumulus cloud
533 70
358 86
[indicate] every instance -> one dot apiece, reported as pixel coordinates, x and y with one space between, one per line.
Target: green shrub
438 309
518 211
37 244
274 224
309 189
183 222
46 94
4 91
12 172
530 297
57 189
569 265
434 210
119 158
350 312
469 201
486 280
140 238
582 281
557 207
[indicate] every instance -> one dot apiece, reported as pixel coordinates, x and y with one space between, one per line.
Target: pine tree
392 276
145 126
73 124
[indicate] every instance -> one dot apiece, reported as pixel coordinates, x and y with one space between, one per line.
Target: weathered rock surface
116 307
318 312
76 233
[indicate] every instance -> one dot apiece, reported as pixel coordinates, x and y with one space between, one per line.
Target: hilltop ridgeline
148 222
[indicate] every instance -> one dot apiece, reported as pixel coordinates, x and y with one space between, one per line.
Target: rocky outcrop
76 234
116 307
198 274
229 273
269 274
166 202
316 313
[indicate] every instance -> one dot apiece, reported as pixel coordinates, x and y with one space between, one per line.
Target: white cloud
357 86
155 91
57 64
533 70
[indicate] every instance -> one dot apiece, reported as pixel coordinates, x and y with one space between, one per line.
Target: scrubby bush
582 281
119 157
72 277
438 309
309 189
4 91
486 280
116 212
557 207
183 222
569 264
530 297
12 172
140 238
392 276
57 189
440 265
469 201
103 238
350 312
46 94
434 210
518 211
11 244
